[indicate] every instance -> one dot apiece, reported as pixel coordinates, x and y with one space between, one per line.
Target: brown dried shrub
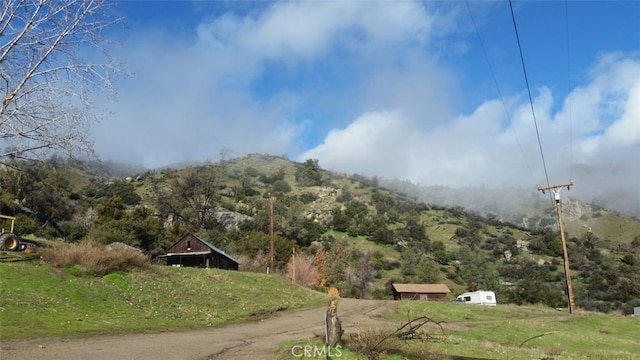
554 350
95 258
301 269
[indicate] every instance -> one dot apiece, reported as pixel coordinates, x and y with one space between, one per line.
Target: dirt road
255 340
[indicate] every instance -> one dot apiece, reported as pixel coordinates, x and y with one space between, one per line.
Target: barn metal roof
206 243
221 252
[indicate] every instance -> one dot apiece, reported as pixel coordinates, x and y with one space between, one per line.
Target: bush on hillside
95 258
281 186
308 197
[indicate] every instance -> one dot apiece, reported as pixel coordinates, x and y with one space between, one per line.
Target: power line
566 22
526 79
495 81
555 189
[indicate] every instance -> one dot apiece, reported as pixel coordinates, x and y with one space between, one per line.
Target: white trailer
481 297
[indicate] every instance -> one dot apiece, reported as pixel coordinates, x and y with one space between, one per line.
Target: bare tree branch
53 57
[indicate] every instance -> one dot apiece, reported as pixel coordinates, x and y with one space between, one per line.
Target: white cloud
191 97
603 130
393 112
626 131
370 145
306 30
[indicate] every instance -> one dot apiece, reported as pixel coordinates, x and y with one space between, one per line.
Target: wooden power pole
271 236
567 273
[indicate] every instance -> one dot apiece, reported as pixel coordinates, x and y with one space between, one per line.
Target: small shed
193 251
429 292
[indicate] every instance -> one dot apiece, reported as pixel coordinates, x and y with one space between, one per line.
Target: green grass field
526 332
39 300
503 332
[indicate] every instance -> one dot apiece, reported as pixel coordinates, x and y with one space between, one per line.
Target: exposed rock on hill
230 220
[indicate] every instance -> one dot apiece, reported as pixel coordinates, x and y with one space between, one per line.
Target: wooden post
271 236
567 272
332 325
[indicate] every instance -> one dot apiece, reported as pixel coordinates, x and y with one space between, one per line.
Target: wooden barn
193 251
428 292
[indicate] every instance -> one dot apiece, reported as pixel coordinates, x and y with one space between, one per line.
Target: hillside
349 231
529 208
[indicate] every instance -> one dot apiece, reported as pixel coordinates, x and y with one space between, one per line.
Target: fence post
333 326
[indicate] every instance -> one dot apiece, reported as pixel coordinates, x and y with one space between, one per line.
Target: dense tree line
152 210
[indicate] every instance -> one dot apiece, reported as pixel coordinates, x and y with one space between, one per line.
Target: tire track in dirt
253 340
354 314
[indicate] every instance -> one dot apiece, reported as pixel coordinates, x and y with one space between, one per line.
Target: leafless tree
53 57
191 197
302 269
361 275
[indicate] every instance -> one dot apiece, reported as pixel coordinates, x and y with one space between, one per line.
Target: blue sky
394 89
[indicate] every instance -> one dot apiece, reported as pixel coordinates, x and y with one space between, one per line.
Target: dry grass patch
606 329
95 258
554 350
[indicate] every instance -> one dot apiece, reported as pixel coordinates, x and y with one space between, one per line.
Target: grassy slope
504 332
609 226
38 300
497 332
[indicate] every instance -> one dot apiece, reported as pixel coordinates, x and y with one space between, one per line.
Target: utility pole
271 235
293 263
567 274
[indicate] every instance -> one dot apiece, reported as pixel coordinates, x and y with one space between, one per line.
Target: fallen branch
409 329
535 337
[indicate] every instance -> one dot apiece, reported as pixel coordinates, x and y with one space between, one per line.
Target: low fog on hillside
506 201
510 201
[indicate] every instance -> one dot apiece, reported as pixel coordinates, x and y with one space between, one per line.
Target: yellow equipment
9 240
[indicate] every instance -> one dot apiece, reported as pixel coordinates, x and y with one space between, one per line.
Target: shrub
72 230
94 258
26 225
112 231
309 173
308 197
345 196
251 171
281 186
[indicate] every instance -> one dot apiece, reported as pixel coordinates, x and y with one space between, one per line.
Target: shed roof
187 253
421 288
206 243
